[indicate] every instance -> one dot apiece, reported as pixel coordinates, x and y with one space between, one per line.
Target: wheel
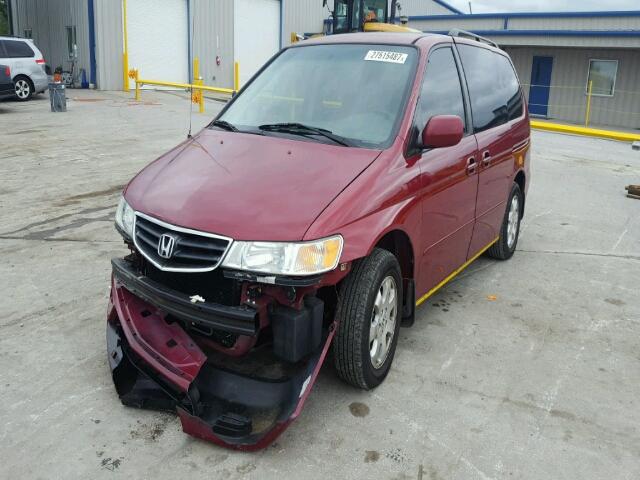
504 248
368 312
23 88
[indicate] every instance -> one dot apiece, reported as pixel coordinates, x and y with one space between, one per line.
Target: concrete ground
522 369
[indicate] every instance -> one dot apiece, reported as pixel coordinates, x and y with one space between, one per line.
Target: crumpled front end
236 369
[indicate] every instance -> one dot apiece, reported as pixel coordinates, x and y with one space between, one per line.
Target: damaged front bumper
241 395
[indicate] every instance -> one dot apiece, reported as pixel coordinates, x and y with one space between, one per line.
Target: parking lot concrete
528 368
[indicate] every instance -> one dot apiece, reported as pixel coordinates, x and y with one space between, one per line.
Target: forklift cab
351 15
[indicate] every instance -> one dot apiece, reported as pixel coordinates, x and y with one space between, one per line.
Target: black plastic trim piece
270 279
241 320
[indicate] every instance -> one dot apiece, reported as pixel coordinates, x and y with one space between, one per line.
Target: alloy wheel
513 221
383 321
23 89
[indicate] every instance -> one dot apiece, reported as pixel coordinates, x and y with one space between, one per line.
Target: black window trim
414 132
515 72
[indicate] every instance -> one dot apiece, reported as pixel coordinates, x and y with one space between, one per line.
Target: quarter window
493 87
18 49
603 75
441 92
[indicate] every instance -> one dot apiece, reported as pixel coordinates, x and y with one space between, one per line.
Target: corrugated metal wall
212 31
108 15
304 16
47 20
423 7
567 99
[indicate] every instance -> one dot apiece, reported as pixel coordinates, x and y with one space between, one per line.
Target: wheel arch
398 243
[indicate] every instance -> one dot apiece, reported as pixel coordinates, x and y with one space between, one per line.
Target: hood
247 187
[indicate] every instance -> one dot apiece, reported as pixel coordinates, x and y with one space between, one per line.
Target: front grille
192 251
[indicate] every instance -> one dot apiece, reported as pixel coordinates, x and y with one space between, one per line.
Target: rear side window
441 92
493 87
17 49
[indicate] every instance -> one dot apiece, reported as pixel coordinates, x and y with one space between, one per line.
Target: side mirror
442 131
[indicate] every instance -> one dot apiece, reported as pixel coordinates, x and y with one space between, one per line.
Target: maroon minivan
349 180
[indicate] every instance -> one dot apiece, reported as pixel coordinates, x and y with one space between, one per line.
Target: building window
71 40
28 33
603 75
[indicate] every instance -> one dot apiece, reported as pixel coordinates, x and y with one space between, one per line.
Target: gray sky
484 6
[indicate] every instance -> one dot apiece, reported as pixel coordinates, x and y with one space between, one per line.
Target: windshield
353 91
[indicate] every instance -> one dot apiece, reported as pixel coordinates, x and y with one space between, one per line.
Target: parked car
348 181
6 83
27 66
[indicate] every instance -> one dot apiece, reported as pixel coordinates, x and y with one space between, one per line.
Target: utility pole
470 9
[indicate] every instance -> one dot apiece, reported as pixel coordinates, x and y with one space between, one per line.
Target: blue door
540 83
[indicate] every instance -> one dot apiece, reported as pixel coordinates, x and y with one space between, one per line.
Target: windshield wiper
301 129
224 125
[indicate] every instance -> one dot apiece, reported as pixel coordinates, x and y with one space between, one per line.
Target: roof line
556 33
607 13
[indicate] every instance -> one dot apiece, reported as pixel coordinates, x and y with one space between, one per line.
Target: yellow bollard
136 78
236 76
196 68
200 82
587 116
125 50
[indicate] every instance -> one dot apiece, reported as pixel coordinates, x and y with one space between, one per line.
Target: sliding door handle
471 165
486 158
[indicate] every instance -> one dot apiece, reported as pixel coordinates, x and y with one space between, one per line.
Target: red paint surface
164 347
252 187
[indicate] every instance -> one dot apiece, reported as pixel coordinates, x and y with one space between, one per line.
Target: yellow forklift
359 16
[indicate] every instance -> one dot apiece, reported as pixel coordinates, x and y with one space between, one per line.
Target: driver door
449 176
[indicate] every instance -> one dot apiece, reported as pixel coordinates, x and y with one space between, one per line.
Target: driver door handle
486 158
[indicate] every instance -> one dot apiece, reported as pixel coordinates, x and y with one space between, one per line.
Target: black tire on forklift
358 301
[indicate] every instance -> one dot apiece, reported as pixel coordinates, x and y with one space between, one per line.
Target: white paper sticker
389 57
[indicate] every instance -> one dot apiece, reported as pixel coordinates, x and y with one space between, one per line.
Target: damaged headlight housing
125 218
279 258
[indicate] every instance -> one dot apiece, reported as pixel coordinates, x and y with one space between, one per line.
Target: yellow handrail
186 86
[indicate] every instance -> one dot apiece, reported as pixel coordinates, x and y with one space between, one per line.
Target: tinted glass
356 91
441 92
493 87
17 49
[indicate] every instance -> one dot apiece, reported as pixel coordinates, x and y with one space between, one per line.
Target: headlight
125 218
278 258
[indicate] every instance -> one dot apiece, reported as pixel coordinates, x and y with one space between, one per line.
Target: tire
362 311
23 88
505 247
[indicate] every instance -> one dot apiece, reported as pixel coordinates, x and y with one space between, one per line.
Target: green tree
4 22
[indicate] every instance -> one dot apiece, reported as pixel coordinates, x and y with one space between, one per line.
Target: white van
27 66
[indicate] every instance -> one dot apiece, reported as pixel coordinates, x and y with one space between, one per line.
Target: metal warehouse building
557 55
156 34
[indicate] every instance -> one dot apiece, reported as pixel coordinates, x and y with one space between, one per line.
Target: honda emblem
166 245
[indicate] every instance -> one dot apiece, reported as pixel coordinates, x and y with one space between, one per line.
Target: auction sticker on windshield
382 56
